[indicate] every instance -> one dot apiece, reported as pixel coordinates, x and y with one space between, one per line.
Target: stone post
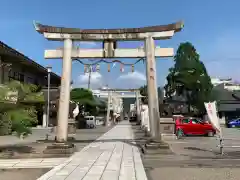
138 107
63 111
154 117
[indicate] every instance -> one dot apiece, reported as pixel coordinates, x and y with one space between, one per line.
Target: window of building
30 80
10 75
21 77
36 82
16 75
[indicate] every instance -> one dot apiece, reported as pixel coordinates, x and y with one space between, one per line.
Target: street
197 158
207 147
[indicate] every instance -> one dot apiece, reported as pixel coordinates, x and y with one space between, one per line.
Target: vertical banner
121 67
212 115
94 67
109 67
85 69
98 67
132 68
88 68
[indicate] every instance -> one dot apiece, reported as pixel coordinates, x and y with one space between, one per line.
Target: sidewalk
110 157
30 163
37 134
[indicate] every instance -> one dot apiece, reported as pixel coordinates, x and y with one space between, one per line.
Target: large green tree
144 92
83 96
86 98
189 78
18 107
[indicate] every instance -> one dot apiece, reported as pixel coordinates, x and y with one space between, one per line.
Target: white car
90 121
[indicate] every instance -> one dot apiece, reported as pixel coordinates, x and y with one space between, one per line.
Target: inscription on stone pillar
63 84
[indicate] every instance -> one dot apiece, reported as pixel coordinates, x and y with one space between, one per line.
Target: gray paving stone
110 175
126 178
53 171
77 174
96 170
92 177
113 165
57 178
65 171
105 160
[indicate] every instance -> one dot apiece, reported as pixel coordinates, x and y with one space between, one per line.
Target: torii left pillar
63 109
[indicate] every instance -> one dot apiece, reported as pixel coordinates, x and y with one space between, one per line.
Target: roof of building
53 29
227 100
29 61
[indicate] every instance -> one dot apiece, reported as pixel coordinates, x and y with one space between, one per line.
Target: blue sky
212 26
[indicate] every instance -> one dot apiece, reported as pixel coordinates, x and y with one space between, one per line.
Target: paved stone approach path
110 157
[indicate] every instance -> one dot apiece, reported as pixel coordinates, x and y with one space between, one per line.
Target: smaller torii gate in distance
137 96
109 37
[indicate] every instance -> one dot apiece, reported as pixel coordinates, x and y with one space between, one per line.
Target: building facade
16 66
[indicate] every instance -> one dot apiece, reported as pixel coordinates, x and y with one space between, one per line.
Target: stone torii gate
109 37
137 96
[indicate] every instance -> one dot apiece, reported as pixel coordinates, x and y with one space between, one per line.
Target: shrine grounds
190 158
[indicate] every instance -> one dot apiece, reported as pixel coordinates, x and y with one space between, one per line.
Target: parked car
90 121
192 126
234 123
133 119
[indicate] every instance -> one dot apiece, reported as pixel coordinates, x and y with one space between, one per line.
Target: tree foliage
82 96
86 98
17 108
144 92
189 78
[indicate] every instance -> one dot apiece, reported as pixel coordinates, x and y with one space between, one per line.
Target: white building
229 84
116 102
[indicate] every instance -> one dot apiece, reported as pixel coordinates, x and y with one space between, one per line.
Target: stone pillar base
156 147
60 148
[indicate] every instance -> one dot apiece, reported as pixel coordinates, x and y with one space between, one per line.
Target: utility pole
89 76
49 69
138 107
108 107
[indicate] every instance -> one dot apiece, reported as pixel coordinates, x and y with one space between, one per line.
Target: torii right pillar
153 105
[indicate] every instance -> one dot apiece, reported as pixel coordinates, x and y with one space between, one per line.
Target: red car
192 126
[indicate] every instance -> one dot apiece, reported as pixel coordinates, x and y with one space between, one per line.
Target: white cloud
136 76
131 80
95 81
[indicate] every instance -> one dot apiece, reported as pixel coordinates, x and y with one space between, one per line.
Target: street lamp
49 70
